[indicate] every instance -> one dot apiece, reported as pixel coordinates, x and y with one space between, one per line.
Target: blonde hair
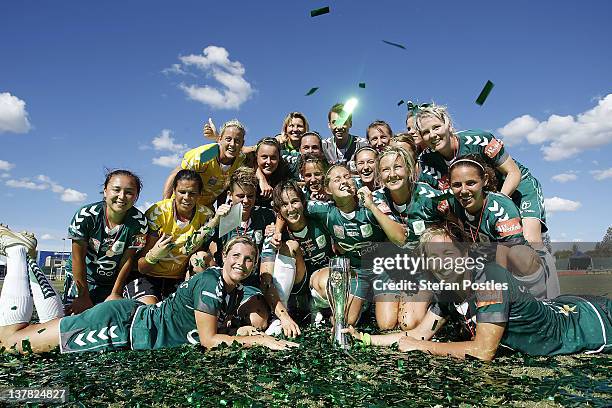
398 152
293 115
242 239
243 177
437 111
233 123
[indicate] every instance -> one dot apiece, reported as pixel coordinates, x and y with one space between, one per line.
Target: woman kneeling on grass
506 314
196 313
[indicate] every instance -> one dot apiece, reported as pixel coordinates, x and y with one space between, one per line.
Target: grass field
316 375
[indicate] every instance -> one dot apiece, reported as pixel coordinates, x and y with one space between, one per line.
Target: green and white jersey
255 228
499 220
563 325
352 232
434 167
171 323
105 247
315 244
293 158
422 211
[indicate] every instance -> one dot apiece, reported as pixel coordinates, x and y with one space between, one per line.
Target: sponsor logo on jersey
118 247
418 227
443 206
382 206
525 205
366 230
509 227
321 241
488 297
140 241
339 231
493 148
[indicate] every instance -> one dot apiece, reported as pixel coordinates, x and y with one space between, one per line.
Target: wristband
150 260
366 339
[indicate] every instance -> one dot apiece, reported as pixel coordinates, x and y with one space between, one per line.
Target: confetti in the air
319 12
394 44
312 90
485 93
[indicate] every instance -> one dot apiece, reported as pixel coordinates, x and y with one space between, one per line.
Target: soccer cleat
10 238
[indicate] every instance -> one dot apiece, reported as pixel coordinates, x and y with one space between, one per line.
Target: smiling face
120 193
239 262
365 162
267 159
185 196
295 129
245 195
378 137
340 185
291 209
341 133
393 172
311 144
412 131
230 144
467 185
436 133
313 177
442 249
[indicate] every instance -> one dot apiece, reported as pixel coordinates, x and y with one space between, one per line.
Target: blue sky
85 85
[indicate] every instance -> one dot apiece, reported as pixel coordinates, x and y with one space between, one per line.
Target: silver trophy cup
338 289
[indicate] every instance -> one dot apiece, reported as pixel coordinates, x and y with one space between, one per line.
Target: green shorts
529 199
97 293
104 327
367 285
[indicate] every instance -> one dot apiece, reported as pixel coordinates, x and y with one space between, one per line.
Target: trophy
338 287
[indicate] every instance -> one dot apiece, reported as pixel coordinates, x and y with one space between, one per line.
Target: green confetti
319 11
484 94
362 84
435 324
41 330
401 102
14 308
26 346
312 90
394 44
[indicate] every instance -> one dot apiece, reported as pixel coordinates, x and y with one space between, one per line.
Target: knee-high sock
46 300
15 300
284 274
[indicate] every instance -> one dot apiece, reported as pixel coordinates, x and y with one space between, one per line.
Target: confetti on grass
319 12
394 44
362 84
14 308
485 93
312 90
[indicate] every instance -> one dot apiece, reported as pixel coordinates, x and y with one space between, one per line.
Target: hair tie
469 161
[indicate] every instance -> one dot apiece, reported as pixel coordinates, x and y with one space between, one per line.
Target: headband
468 161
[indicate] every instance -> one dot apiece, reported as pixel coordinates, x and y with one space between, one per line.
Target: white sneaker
275 328
10 238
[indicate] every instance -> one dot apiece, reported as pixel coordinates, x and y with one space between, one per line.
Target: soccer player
270 169
215 162
310 143
105 238
178 226
495 309
340 148
197 313
411 128
294 126
353 228
379 134
490 217
313 173
365 164
434 124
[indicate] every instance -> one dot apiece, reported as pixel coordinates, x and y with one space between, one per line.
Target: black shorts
144 285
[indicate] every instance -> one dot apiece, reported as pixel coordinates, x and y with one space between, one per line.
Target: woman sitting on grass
197 312
500 311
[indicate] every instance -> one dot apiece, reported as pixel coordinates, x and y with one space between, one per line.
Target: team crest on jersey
118 247
339 231
366 230
493 148
443 206
321 241
94 244
418 227
509 227
140 241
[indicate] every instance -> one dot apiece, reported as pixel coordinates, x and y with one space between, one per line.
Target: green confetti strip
484 94
435 324
362 84
401 102
41 330
319 11
14 308
394 44
312 90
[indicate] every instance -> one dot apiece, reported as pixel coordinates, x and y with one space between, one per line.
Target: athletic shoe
275 328
10 238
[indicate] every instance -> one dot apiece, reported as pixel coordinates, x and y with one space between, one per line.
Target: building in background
53 263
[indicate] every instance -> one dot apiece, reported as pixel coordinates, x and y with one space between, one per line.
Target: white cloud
564 177
6 166
176 69
563 137
5 175
13 114
167 161
46 237
214 61
72 196
602 174
42 182
165 141
557 204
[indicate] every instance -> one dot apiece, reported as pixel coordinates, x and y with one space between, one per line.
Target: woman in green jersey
199 312
494 309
